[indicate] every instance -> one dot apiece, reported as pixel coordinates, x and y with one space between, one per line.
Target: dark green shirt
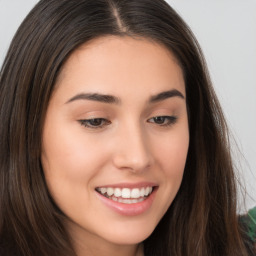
249 222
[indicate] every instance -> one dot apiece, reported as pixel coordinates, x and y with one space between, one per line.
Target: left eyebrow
165 95
95 97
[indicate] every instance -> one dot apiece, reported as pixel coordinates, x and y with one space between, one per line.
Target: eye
94 123
163 120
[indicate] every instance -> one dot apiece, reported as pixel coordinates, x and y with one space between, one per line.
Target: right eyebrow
165 95
96 97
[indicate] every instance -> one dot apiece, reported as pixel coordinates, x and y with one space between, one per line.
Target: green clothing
249 222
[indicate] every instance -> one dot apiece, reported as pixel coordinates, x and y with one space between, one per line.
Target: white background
226 30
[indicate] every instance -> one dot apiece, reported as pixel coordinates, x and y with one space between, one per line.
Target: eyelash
100 123
163 121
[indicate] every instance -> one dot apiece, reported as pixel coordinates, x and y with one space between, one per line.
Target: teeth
129 201
142 192
103 190
110 191
135 193
117 192
126 193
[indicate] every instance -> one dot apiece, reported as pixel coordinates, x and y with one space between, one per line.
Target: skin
129 147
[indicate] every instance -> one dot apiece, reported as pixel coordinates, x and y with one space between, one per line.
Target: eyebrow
165 95
96 97
115 100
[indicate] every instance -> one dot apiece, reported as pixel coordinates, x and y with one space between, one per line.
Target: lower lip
129 209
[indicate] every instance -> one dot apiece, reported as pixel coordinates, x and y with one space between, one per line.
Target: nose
132 150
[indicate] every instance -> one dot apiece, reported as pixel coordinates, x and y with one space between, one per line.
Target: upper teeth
126 192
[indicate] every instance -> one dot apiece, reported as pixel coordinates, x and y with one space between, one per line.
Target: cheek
69 164
173 165
172 157
173 152
69 152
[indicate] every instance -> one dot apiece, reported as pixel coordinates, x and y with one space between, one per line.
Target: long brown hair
201 220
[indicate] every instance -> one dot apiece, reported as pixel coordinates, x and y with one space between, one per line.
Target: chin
129 235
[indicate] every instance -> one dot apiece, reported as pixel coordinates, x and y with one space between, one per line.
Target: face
115 139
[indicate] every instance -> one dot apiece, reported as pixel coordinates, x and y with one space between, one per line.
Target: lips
128 199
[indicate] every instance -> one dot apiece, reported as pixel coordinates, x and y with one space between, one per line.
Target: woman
112 139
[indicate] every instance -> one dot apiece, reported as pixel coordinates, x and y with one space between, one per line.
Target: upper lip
129 185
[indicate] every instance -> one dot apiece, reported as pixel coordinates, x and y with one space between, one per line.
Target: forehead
110 63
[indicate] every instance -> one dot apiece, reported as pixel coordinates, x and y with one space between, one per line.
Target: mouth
126 195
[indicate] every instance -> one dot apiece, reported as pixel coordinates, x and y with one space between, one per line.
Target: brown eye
94 122
163 120
159 119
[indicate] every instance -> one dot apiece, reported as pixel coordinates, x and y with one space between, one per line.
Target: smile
125 195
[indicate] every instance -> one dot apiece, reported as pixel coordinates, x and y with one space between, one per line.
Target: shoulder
248 222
